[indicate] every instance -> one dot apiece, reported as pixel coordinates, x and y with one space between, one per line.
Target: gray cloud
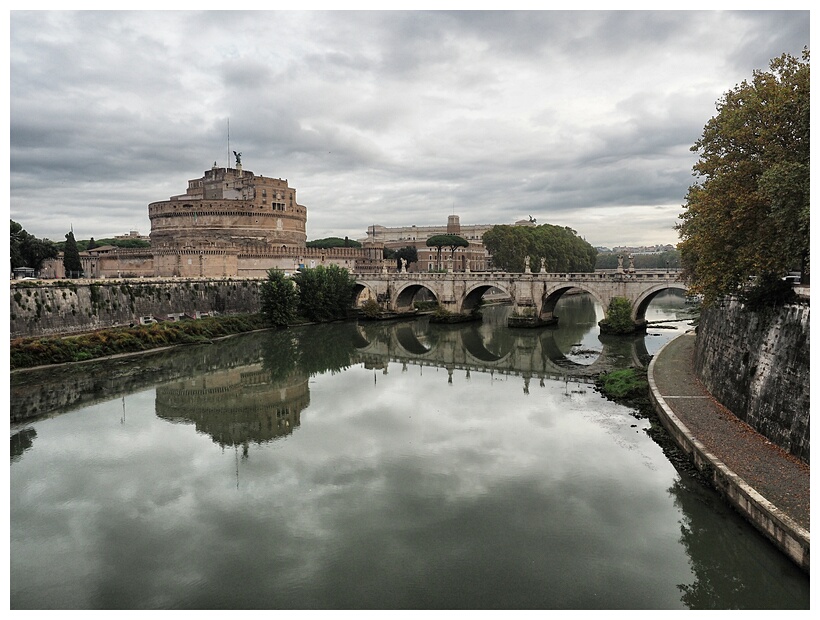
396 118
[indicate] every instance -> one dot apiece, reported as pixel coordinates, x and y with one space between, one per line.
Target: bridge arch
473 294
646 297
362 292
405 295
551 296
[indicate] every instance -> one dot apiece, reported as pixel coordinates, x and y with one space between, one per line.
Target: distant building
229 222
473 258
132 234
643 249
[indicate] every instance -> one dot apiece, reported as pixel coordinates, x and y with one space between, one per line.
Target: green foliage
767 291
371 309
662 260
626 383
333 242
90 244
748 214
619 317
71 257
279 299
408 253
446 241
561 247
441 313
30 352
28 251
325 293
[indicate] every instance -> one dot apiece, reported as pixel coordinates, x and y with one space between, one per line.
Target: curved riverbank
768 486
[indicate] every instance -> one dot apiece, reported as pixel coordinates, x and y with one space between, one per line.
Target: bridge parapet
534 294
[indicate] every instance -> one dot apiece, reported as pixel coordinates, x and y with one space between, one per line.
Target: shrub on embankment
30 352
625 384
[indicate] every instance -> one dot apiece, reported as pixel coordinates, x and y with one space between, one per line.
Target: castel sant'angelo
229 223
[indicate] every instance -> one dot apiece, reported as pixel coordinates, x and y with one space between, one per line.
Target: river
397 465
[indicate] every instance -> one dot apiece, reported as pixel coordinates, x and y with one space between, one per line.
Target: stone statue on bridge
527 264
620 263
543 265
403 265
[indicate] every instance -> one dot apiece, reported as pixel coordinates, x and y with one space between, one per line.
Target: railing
504 275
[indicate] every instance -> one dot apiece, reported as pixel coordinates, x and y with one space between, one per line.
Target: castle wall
224 222
63 307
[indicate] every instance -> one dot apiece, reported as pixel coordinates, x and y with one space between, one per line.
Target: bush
279 299
624 383
371 309
619 317
325 293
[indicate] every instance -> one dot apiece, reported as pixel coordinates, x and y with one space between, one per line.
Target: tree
14 245
446 241
618 317
560 247
333 242
28 251
325 293
748 213
408 253
71 257
279 299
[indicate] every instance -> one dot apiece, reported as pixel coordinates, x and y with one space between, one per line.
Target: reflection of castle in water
237 406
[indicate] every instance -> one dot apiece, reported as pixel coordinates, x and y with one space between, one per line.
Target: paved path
774 474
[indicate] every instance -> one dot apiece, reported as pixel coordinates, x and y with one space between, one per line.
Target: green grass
621 384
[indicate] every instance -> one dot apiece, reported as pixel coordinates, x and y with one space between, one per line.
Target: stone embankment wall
65 307
757 365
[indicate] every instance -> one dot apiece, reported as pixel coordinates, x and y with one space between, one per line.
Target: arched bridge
533 295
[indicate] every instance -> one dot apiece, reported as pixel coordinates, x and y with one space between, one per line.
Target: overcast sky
581 119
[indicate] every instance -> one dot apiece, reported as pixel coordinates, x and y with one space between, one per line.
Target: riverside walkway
770 487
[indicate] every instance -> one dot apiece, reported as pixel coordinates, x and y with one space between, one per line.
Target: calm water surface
400 465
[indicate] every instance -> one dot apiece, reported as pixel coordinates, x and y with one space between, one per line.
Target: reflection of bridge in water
526 353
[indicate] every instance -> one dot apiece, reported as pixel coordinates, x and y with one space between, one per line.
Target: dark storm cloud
394 117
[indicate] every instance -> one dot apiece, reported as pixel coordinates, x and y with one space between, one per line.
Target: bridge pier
527 314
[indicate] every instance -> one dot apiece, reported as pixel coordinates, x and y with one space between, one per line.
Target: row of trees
561 248
28 251
333 242
319 294
661 260
747 216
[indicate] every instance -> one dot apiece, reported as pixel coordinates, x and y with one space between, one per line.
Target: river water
370 465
